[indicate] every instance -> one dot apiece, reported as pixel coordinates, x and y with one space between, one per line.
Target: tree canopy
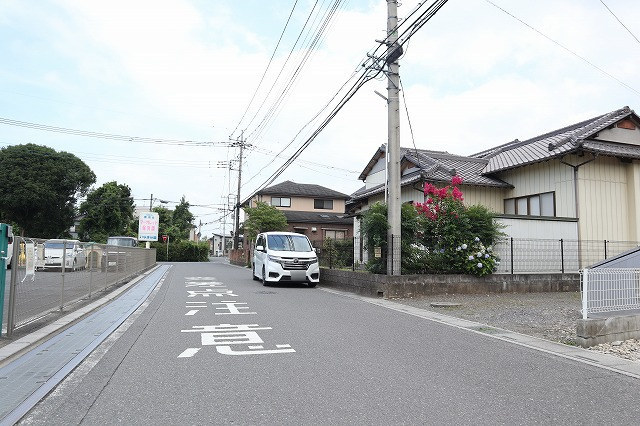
263 218
39 187
107 211
175 223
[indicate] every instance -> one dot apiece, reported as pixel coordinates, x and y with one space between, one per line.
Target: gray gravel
550 316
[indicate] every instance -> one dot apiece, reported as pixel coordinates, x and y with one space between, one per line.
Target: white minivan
285 257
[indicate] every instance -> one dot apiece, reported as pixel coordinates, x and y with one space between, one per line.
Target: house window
334 234
281 201
323 204
532 205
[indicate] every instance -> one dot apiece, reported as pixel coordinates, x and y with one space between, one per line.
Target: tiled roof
441 166
290 188
320 218
558 143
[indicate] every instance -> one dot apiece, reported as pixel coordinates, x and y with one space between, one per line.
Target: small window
323 204
281 201
334 234
531 205
547 204
510 206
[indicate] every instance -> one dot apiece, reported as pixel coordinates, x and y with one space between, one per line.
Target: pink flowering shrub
452 233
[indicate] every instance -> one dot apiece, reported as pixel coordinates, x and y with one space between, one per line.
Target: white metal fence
609 290
38 284
523 255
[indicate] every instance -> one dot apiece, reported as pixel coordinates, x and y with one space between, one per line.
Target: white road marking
189 353
192 312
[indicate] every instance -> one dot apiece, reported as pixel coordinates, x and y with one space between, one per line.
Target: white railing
609 290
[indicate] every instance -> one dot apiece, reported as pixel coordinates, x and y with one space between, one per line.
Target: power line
267 68
621 23
109 136
418 23
582 58
290 79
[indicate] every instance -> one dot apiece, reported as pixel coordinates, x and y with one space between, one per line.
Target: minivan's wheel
311 285
253 273
264 278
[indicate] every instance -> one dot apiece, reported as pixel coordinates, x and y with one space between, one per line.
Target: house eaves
558 143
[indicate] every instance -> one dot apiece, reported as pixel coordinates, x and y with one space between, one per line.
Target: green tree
107 211
182 218
263 218
39 188
175 223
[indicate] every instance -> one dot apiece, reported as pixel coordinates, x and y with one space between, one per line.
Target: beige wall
604 198
543 177
301 204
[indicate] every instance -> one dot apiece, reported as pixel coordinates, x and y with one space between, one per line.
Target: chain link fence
49 276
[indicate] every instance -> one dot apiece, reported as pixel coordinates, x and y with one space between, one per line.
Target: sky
191 75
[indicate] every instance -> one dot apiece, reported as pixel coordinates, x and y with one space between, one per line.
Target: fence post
353 252
106 266
562 254
511 255
585 287
13 285
330 254
63 266
605 249
91 256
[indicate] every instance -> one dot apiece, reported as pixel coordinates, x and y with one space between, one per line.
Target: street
214 346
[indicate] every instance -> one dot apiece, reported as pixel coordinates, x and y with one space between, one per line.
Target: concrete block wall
595 331
373 285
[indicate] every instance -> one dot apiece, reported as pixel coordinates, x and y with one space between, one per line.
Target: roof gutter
575 193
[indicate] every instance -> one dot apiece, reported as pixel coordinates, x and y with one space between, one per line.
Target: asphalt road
354 362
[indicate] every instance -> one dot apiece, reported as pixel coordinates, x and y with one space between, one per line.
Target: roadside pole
393 152
4 245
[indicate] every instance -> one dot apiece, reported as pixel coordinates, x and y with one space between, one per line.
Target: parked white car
75 256
285 257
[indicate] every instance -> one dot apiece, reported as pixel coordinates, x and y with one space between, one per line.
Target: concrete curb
18 348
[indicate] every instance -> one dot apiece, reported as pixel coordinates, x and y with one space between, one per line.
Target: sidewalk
35 364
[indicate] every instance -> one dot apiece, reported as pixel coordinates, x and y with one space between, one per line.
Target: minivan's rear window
288 243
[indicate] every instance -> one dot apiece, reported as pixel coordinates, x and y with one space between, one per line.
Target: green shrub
182 251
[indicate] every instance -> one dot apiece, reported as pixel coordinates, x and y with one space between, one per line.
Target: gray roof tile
290 188
557 143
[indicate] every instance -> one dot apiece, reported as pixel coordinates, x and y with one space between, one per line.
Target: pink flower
456 180
429 200
457 194
429 189
442 193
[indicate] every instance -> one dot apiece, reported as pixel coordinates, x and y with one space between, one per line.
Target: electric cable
621 23
582 58
267 68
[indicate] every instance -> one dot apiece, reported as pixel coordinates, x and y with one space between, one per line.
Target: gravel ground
551 316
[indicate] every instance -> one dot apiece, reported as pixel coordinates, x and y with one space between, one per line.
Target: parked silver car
53 252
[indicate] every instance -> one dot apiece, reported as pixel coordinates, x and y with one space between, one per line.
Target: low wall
390 287
239 257
595 331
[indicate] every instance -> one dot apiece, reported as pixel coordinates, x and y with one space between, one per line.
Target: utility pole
393 147
236 236
151 203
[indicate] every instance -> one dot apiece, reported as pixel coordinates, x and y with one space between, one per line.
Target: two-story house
312 210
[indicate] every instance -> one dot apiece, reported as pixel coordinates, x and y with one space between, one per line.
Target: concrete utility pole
236 236
393 146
